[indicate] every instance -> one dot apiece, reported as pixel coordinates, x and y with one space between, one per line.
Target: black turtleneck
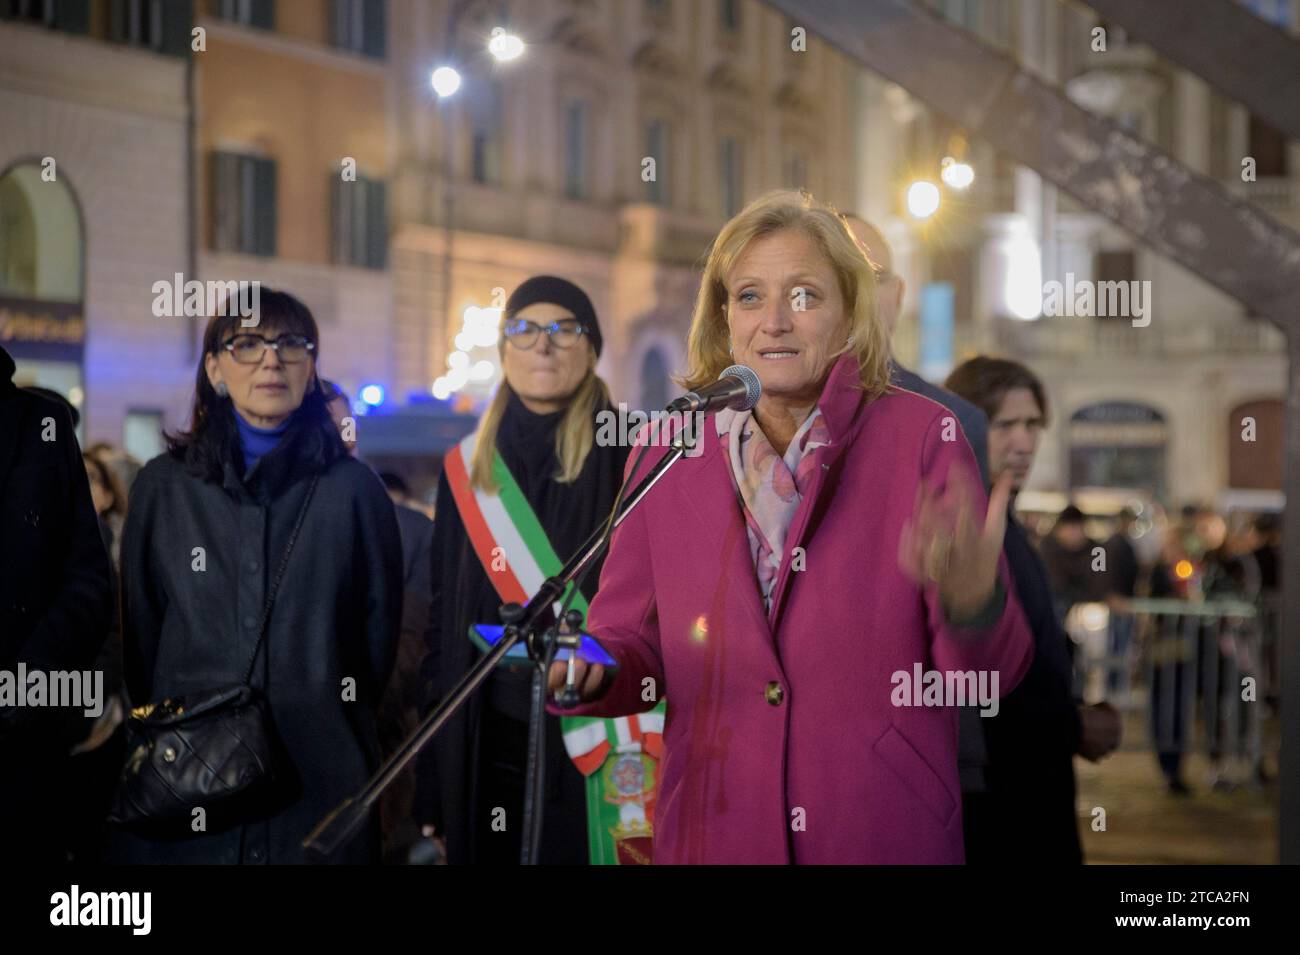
567 512
484 745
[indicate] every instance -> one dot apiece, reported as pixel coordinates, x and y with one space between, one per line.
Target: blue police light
372 395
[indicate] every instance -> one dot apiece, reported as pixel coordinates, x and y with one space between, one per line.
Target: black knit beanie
561 292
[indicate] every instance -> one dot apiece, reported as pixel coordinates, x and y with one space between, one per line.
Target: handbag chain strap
279 575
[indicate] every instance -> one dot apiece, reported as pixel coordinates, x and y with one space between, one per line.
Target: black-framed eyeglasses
523 334
248 349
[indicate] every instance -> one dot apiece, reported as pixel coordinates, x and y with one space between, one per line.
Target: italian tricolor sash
619 757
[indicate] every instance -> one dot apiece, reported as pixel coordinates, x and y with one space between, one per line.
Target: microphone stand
533 624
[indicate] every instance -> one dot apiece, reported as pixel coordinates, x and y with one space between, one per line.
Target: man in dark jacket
1028 813
971 755
54 603
890 288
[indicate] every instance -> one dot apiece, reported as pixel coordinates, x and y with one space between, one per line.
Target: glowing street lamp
505 46
958 175
446 81
922 199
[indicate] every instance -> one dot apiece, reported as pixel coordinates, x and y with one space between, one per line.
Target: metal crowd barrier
1202 675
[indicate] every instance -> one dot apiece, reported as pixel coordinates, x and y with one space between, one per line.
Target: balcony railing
1057 337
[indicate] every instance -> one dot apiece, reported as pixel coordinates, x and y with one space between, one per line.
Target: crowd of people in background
1203 556
381 589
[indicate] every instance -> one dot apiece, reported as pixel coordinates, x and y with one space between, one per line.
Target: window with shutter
359 26
252 13
71 16
575 149
360 223
377 226
243 198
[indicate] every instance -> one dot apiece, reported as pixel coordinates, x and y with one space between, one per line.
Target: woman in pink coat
805 586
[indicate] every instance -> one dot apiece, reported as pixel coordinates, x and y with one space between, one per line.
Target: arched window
40 238
41 251
1118 444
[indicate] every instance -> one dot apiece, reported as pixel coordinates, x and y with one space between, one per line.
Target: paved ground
1147 825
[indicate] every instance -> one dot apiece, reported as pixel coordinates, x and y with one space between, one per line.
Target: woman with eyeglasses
535 442
213 591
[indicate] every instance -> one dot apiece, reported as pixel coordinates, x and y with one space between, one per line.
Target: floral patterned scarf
770 486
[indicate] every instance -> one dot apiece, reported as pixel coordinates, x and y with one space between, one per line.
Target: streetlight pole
449 121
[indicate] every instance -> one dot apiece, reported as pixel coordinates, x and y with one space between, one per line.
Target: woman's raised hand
947 542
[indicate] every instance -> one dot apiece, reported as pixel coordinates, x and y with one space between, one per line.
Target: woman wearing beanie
535 442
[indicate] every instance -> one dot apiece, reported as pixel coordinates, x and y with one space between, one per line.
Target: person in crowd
55 606
400 711
1027 812
1122 566
417 537
890 288
780 585
1268 546
1268 554
536 441
1171 659
1072 566
109 496
51 395
1118 584
119 462
340 409
97 755
206 543
1231 652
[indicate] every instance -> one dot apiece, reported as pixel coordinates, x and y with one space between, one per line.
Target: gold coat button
773 693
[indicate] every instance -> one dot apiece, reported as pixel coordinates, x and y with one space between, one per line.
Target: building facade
1184 401
610 153
301 145
93 186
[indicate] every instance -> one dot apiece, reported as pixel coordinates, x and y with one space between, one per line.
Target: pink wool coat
781 742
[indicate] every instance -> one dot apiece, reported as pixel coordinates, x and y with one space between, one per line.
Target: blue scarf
256 442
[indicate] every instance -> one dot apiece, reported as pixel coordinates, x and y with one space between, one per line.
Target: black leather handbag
216 750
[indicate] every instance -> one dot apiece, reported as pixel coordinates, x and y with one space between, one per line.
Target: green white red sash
619 757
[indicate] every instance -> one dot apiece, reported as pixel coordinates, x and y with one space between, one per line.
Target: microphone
737 387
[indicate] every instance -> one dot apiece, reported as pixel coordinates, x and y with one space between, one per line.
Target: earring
730 349
850 340
221 390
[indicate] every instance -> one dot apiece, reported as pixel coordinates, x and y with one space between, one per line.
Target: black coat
490 726
54 596
1032 741
336 617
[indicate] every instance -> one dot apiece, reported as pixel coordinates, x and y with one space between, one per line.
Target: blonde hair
573 439
707 344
